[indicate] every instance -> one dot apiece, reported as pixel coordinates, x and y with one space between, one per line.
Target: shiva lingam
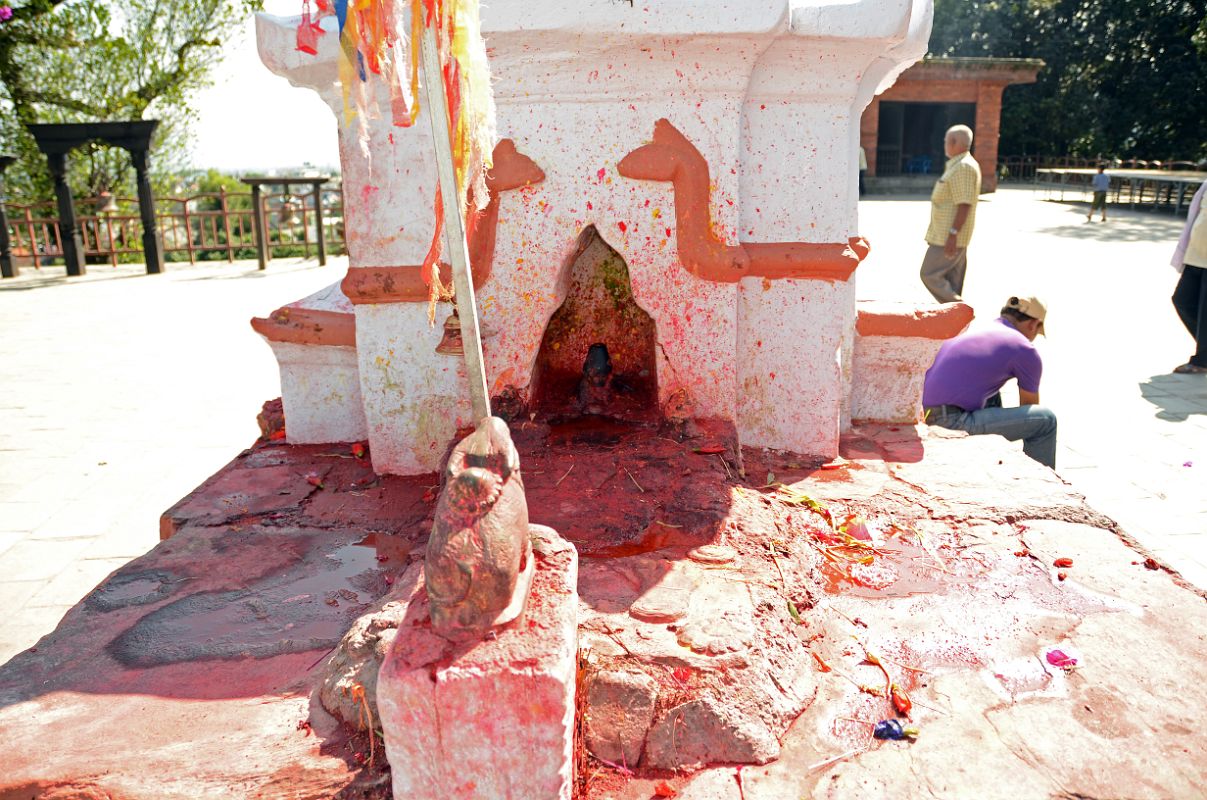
479 563
595 388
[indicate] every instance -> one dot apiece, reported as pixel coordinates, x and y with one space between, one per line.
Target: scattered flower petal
893 730
856 527
901 700
1058 658
794 613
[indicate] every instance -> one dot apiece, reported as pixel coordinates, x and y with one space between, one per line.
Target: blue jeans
1035 425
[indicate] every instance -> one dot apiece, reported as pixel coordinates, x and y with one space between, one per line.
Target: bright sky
251 119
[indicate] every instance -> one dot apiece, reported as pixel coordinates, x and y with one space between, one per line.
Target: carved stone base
492 718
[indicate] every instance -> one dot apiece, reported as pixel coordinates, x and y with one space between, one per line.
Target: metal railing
1146 191
198 227
1023 168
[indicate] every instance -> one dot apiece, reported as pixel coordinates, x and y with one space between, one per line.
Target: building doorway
910 136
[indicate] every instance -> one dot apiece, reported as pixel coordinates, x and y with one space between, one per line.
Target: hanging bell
451 344
106 203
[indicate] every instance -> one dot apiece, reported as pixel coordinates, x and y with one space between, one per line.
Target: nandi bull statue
479 563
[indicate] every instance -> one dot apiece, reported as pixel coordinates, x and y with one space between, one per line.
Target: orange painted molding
899 319
405 284
672 157
307 326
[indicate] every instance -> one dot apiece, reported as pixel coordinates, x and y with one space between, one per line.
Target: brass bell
106 203
451 343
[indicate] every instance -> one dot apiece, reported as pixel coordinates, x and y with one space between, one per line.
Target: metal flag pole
454 223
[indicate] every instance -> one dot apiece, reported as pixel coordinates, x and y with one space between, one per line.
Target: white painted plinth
415 399
320 391
887 377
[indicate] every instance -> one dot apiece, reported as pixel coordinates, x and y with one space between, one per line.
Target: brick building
902 130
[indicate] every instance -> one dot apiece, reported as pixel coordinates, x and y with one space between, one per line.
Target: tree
212 182
95 60
1122 77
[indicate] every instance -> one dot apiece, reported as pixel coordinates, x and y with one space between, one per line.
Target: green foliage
213 181
98 60
1123 77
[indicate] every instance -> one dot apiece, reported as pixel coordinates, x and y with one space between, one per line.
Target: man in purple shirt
961 389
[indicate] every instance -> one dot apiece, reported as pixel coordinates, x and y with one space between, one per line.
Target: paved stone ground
1133 436
121 393
216 637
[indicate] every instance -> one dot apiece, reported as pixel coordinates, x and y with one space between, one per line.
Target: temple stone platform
724 633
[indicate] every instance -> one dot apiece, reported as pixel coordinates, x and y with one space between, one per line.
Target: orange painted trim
932 322
307 326
405 284
672 157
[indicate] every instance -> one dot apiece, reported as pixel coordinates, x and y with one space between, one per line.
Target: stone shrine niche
573 375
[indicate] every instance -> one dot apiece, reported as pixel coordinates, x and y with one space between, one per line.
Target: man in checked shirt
952 214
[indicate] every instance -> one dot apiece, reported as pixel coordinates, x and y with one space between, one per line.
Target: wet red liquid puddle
389 548
901 568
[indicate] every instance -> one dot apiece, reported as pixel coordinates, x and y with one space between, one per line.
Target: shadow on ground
1176 396
41 281
1130 228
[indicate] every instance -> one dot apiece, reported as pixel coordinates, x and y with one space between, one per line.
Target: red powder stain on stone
602 172
622 226
367 192
391 138
762 107
589 206
772 374
668 232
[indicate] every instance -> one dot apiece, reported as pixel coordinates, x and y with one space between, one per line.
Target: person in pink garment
1190 295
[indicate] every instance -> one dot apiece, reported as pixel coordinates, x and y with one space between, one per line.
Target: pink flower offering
1058 658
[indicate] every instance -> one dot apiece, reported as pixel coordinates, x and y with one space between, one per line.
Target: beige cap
1031 306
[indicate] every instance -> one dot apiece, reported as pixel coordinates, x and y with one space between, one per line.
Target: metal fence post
318 222
8 269
261 233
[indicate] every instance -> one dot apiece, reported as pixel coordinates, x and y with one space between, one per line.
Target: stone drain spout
672 157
